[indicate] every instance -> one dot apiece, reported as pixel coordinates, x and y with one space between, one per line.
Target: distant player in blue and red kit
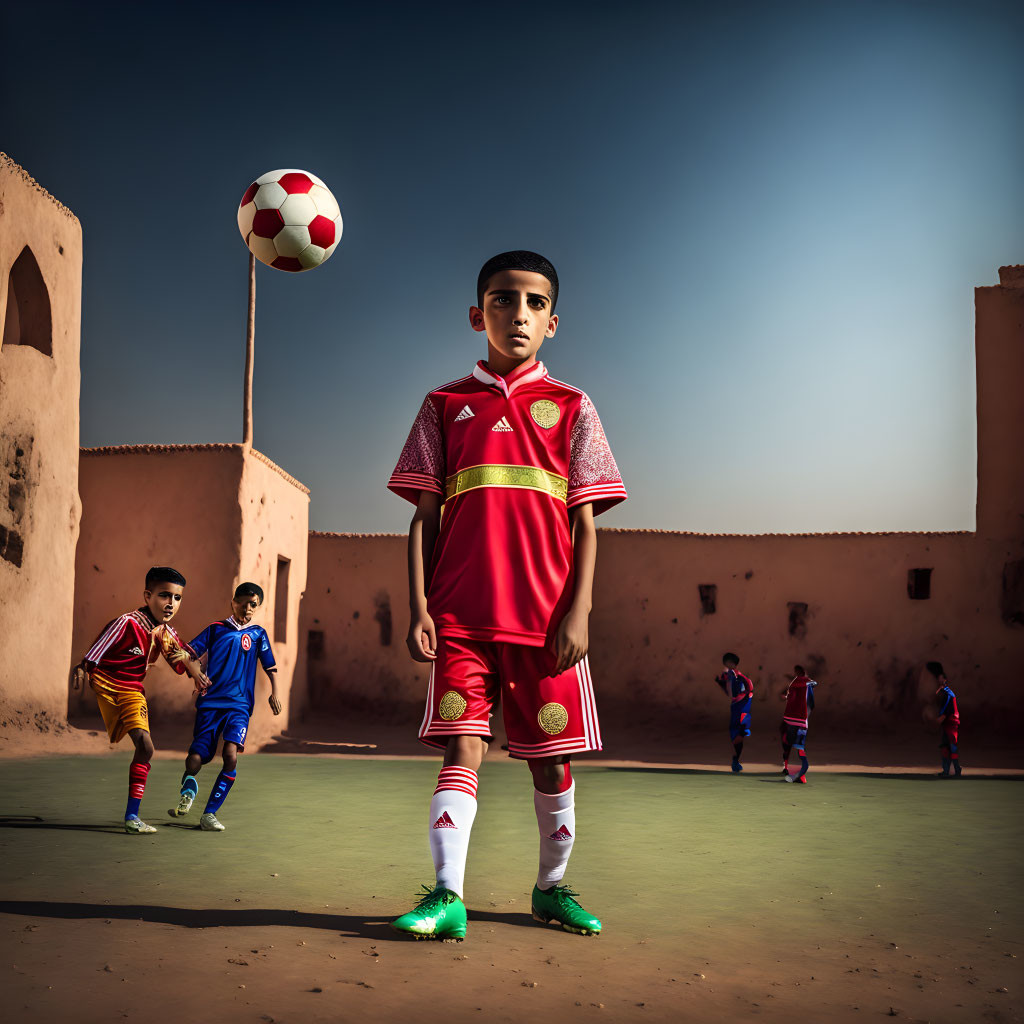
948 718
233 648
793 727
740 691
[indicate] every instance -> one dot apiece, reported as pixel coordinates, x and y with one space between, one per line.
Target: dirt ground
724 897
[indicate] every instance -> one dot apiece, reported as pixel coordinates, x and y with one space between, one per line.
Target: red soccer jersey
796 701
510 457
126 648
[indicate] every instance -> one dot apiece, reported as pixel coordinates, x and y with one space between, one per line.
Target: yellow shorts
122 709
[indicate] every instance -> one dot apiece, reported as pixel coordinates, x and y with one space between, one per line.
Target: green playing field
888 891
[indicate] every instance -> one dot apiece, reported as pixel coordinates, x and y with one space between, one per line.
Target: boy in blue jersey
740 691
233 648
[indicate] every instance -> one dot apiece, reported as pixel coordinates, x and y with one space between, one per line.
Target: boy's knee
230 758
144 748
550 775
467 751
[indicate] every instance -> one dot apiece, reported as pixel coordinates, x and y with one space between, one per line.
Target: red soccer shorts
545 715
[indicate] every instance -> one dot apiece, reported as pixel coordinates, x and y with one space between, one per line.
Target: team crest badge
545 414
452 706
553 718
246 642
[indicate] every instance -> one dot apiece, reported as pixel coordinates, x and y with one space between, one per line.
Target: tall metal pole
250 337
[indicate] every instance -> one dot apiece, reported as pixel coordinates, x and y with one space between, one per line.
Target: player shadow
687 771
31 821
348 925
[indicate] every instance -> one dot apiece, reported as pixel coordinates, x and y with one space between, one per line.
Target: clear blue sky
768 220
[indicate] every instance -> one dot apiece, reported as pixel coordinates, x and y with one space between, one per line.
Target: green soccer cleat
438 914
559 906
184 806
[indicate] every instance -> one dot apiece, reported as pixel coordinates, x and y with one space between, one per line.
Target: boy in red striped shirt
793 727
116 667
500 585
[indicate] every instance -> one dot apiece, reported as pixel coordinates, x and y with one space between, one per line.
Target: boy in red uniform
116 667
793 727
949 718
500 584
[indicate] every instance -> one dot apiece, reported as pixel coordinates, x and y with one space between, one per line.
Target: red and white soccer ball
290 220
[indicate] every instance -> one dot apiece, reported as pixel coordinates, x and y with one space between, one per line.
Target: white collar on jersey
234 622
506 385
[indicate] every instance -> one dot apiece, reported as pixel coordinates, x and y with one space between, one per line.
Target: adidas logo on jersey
466 414
445 822
137 650
562 835
503 426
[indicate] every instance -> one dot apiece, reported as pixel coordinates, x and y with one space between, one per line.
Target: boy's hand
275 703
571 641
422 639
79 677
178 655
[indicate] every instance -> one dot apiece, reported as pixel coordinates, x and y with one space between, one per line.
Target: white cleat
137 827
184 806
787 777
209 823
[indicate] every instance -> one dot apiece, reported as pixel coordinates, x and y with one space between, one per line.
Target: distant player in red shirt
799 699
507 468
947 714
116 667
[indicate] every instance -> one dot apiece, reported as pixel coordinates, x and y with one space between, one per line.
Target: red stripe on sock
455 777
137 780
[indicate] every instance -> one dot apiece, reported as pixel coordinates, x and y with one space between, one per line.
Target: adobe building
237 517
40 319
863 612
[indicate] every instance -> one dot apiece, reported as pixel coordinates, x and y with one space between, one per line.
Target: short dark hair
163 574
517 259
730 658
798 669
249 589
936 669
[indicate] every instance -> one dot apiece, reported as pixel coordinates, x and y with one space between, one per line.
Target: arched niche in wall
27 320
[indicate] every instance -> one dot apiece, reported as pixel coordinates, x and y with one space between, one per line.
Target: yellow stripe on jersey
531 477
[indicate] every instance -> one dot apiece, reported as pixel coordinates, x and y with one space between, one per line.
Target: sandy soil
724 898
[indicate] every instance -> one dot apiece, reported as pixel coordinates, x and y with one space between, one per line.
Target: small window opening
797 619
919 584
27 320
1012 598
315 645
281 601
708 595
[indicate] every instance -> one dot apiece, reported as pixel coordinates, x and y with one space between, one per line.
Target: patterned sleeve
111 634
167 648
421 464
593 475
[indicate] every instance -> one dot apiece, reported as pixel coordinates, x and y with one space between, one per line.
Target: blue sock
132 810
189 784
803 764
219 793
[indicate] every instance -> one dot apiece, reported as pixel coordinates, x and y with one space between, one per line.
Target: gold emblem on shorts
553 718
452 705
545 413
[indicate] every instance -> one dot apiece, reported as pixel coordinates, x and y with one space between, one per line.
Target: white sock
556 819
452 810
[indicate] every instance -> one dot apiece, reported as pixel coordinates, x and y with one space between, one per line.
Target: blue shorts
739 725
794 735
213 722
